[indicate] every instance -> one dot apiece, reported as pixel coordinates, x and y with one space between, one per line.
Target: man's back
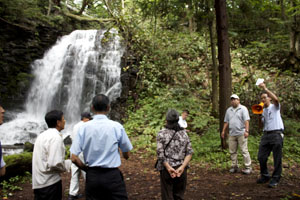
100 140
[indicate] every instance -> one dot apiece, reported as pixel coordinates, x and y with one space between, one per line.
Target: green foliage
13 183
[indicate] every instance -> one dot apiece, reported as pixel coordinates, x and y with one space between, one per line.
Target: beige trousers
242 142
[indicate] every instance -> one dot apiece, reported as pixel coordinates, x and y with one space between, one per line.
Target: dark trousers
172 188
51 192
105 183
271 142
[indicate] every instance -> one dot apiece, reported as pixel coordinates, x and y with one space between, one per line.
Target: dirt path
142 182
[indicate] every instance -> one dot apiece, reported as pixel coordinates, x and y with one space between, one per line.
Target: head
55 119
86 116
185 114
100 104
172 119
235 100
265 99
2 111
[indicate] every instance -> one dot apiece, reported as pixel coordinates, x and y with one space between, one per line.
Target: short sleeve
124 142
2 163
246 116
76 147
226 118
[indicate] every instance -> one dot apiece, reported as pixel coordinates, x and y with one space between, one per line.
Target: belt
273 131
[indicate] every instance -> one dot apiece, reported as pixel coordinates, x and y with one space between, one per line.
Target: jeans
271 142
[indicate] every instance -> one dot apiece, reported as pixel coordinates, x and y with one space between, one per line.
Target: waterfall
77 67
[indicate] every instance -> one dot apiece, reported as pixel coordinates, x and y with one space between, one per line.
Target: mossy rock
18 164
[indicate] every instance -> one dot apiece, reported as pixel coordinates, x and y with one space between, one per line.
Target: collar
100 116
55 130
237 108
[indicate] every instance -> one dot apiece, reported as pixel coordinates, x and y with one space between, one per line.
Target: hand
172 172
246 134
179 171
223 134
263 86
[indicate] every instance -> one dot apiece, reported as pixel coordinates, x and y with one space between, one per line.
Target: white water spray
76 68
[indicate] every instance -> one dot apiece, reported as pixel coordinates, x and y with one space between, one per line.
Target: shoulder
244 108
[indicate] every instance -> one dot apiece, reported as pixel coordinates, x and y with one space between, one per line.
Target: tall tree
224 62
214 69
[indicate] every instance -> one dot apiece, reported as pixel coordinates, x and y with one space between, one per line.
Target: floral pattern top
176 151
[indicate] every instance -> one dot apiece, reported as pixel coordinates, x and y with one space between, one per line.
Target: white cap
234 96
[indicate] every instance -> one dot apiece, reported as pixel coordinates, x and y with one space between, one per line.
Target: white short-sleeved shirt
271 118
236 119
182 123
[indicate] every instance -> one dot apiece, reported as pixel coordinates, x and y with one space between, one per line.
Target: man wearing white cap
237 119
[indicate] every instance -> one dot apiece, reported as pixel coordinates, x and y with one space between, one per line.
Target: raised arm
270 94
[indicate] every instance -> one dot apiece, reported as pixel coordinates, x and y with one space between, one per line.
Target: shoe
273 183
263 179
233 170
72 197
247 171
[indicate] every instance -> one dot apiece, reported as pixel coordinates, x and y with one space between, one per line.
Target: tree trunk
190 14
224 62
49 7
214 71
83 6
123 7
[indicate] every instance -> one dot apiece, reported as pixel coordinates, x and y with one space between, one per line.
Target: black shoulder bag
155 165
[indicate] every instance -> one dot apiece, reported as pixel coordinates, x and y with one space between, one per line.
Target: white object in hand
259 81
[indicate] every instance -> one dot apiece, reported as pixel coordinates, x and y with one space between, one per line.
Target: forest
181 54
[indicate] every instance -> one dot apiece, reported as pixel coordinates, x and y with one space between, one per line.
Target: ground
142 182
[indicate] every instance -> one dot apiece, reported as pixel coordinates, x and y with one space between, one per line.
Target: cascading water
76 68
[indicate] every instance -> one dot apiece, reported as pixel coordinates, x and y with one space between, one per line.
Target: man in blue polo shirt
237 119
272 139
100 140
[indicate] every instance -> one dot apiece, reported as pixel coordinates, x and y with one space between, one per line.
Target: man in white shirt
2 163
48 159
75 171
182 119
272 139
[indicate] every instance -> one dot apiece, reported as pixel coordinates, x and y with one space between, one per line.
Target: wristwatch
246 131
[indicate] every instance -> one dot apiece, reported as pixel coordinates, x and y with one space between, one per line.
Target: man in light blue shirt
100 140
272 139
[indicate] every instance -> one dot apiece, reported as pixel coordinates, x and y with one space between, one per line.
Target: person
272 138
75 171
2 163
182 119
237 119
174 152
99 140
48 159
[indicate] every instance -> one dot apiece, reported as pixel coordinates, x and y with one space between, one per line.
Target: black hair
86 115
263 92
52 117
100 103
186 111
172 120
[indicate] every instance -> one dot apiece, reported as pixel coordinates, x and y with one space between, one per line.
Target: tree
224 62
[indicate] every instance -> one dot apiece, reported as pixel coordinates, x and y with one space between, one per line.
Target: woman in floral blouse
174 151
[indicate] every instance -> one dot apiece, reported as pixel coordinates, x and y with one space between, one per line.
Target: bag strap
169 143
